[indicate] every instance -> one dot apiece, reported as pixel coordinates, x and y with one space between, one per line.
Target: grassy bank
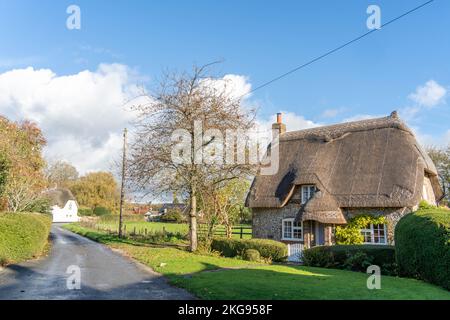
214 277
23 236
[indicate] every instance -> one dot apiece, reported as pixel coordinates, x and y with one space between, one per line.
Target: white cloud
82 115
331 113
429 95
292 121
359 117
234 86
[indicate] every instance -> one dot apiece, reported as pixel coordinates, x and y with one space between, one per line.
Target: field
135 224
215 277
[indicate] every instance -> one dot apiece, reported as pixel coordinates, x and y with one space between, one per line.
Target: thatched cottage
329 174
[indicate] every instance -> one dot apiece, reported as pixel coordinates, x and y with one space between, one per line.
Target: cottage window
307 192
375 234
292 230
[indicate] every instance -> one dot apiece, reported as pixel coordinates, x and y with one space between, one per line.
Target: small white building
64 207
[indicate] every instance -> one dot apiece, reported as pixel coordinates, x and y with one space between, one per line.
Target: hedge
422 241
22 236
352 257
269 249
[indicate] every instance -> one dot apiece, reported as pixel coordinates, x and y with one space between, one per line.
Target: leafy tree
22 164
97 189
61 174
441 158
224 204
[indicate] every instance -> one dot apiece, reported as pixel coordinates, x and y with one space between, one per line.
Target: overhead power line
337 48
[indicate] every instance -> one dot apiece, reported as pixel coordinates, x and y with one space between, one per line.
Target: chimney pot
279 114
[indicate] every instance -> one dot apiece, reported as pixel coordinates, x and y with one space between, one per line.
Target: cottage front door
319 234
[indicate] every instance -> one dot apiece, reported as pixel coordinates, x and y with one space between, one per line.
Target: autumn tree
21 164
223 204
97 189
175 111
61 174
441 158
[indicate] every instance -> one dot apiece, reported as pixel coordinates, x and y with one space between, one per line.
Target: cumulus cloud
292 121
82 115
429 95
359 117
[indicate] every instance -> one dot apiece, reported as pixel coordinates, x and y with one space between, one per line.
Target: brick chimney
279 127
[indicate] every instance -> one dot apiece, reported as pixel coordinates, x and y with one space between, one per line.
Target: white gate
295 252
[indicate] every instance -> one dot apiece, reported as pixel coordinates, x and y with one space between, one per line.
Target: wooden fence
221 231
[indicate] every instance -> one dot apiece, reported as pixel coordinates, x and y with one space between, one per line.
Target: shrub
269 249
85 212
173 215
422 241
351 233
101 211
352 257
251 255
22 236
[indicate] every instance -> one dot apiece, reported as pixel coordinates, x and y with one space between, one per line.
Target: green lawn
214 277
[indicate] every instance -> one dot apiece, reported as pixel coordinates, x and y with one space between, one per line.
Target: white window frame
310 190
292 221
372 235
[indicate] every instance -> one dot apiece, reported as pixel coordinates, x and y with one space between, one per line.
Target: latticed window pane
287 229
297 230
307 193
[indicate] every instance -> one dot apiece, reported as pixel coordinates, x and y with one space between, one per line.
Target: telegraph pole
122 188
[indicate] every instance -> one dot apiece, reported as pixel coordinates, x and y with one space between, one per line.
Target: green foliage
173 215
85 212
351 233
40 205
269 249
101 211
251 255
422 241
351 257
424 205
22 236
4 170
97 189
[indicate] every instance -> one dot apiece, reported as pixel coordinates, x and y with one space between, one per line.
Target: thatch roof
59 196
368 163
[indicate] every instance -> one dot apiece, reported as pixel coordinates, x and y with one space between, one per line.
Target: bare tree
179 105
61 173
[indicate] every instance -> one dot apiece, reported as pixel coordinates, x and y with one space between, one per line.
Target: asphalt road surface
104 274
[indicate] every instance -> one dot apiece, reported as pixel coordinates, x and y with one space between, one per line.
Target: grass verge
214 277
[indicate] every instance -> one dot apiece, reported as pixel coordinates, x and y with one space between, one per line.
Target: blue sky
255 39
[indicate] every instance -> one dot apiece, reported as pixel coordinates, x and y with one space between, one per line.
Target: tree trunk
193 221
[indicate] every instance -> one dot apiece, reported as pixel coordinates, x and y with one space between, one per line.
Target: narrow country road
104 274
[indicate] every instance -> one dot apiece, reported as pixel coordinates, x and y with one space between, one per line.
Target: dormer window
307 192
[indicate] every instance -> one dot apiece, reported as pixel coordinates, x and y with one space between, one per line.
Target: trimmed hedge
352 257
422 241
22 236
269 249
101 211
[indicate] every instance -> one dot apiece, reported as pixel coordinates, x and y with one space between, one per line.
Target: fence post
241 232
